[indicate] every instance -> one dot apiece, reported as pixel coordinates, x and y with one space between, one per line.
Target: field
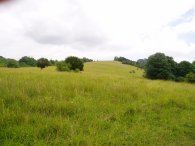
104 105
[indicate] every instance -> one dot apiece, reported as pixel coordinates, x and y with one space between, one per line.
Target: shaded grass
104 105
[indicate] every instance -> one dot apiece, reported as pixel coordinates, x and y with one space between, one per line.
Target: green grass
104 105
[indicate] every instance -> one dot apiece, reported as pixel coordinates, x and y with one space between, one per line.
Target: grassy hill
104 105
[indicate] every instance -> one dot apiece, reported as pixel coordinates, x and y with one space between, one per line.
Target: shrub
190 77
42 63
12 63
180 79
63 66
75 63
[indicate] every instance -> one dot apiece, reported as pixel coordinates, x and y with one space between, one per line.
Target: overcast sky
97 29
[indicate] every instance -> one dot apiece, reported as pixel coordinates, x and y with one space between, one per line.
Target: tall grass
104 105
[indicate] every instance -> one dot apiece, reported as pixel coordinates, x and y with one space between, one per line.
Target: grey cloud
71 27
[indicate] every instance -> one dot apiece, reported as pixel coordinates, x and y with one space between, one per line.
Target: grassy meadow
104 105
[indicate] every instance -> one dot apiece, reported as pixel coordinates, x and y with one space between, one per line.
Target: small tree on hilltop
42 63
75 63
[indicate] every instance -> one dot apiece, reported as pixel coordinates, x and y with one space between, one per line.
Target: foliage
63 66
105 105
75 63
12 63
180 79
141 63
53 62
190 77
42 63
125 61
3 61
158 67
28 61
193 66
183 68
84 59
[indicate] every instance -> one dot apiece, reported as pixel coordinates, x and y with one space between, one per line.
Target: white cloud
98 29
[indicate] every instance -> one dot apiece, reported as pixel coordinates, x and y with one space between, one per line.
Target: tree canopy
75 63
42 63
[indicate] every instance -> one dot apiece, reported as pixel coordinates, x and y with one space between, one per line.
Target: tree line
70 63
139 63
160 66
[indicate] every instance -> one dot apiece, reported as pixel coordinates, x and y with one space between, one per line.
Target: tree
3 61
141 63
42 63
190 77
28 61
53 62
84 59
125 61
12 63
75 63
193 66
63 66
173 65
159 67
183 68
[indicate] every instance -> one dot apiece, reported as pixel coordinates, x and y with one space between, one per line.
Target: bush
12 63
190 77
75 63
63 66
42 63
180 79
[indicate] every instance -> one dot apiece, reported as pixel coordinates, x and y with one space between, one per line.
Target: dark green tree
75 63
193 66
159 67
42 63
28 61
183 68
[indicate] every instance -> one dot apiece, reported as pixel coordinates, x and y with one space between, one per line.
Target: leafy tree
63 66
183 68
173 65
193 66
53 62
190 77
12 63
28 61
159 67
125 61
42 63
141 63
84 59
75 63
3 61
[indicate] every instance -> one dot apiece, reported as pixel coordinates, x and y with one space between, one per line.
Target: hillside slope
104 105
